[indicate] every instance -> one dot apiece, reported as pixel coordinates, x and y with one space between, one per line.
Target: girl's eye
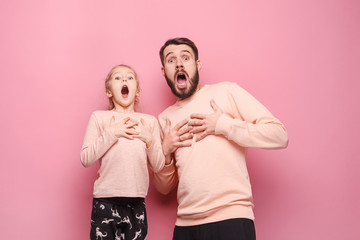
117 78
130 78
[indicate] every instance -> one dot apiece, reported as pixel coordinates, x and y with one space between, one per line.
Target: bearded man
206 134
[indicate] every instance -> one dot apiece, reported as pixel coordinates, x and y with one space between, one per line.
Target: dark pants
232 229
118 219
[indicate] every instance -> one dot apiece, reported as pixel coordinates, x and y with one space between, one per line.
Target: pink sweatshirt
212 177
123 163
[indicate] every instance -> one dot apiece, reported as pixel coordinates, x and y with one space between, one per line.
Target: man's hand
204 124
124 128
176 137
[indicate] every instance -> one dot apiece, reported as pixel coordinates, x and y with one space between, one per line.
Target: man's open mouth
125 91
181 80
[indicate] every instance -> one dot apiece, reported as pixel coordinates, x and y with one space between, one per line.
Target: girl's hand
125 128
144 133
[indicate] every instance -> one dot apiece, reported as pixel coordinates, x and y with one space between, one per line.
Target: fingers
124 121
181 124
184 130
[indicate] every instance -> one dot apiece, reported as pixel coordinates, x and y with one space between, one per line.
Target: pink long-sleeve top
212 177
123 163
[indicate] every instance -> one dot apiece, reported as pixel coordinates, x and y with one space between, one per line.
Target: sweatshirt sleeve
166 179
154 152
96 142
252 125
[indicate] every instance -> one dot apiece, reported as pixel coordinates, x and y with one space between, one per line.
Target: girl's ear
137 94
108 93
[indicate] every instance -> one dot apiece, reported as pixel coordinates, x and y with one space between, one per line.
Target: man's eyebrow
180 51
186 51
168 54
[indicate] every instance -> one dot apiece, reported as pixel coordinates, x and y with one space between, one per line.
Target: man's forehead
174 49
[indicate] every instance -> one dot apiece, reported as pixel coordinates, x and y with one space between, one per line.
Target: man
206 134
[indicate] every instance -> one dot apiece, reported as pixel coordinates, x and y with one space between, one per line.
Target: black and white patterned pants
118 218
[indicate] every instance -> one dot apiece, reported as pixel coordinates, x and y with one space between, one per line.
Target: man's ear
163 71
198 65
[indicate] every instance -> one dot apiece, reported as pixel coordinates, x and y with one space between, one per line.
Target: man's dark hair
178 41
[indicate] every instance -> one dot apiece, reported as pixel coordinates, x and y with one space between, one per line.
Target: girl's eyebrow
114 74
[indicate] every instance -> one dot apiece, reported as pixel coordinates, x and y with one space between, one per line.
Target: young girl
123 141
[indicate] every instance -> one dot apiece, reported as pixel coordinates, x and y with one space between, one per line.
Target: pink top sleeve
254 126
96 143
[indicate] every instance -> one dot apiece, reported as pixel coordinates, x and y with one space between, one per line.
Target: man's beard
183 94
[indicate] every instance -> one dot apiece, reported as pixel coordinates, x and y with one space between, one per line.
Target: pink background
301 59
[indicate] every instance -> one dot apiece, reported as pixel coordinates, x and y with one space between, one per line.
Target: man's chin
184 93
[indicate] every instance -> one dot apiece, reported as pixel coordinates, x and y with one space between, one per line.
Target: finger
198 129
167 125
112 120
196 122
198 116
186 136
131 132
136 136
214 105
130 125
143 122
132 121
200 137
129 137
187 143
125 120
181 124
184 130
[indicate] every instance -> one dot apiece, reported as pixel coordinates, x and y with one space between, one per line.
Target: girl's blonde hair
107 83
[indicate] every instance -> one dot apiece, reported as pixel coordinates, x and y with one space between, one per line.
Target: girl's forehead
123 70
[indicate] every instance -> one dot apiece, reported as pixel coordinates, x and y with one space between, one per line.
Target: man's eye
171 60
186 58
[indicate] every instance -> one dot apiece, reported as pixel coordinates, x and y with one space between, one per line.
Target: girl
123 141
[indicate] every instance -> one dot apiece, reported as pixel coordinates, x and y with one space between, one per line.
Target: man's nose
179 65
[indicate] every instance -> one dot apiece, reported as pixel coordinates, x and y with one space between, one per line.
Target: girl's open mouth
125 91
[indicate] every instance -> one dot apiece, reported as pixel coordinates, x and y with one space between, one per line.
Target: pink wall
300 58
